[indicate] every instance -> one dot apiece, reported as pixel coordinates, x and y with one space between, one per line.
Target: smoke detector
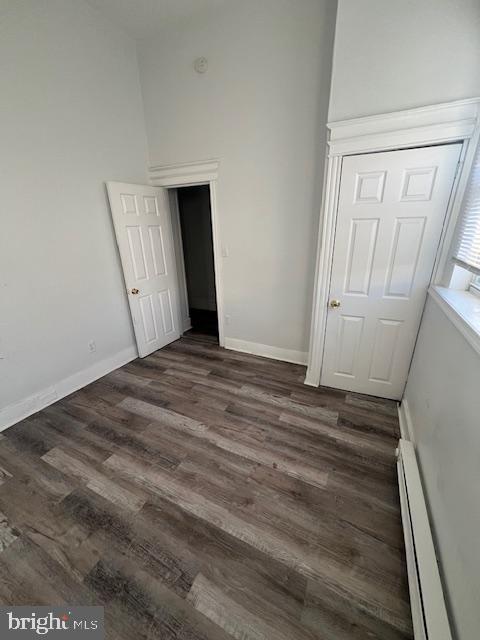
200 65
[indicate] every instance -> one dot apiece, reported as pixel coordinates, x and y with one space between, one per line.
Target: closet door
391 212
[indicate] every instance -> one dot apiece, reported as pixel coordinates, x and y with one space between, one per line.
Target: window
460 299
467 249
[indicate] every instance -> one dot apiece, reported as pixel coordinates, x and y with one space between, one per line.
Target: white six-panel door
391 212
142 224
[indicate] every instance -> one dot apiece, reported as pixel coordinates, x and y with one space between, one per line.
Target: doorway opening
193 239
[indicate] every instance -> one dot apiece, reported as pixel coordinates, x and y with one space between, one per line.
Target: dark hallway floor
204 322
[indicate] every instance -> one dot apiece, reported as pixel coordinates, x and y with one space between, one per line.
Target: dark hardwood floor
206 494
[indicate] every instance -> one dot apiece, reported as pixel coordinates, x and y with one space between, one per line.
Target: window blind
467 250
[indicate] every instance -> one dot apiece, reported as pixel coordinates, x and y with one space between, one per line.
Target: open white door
141 218
391 211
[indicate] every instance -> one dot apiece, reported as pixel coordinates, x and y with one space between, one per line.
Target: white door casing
191 174
391 211
141 218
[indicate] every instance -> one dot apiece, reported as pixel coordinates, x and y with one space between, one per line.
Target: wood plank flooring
203 494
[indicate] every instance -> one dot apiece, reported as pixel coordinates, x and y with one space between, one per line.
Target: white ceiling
144 18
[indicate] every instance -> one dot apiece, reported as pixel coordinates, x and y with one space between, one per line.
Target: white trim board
435 124
462 309
427 601
186 174
405 420
267 351
432 124
13 413
185 320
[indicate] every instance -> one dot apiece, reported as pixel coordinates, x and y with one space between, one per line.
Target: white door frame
190 174
185 322
457 121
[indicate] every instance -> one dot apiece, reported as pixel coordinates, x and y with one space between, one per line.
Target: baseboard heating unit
429 613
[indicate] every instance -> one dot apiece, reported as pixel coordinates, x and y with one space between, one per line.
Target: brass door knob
334 303
135 291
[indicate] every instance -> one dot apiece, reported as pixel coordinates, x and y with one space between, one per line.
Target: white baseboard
267 351
20 410
427 601
310 379
405 419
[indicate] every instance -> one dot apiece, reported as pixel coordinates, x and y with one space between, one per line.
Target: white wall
397 54
70 118
261 110
444 403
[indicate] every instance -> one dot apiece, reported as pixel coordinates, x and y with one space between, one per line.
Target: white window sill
463 310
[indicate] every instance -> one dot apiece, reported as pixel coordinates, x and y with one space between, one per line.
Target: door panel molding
359 261
349 336
457 121
402 244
